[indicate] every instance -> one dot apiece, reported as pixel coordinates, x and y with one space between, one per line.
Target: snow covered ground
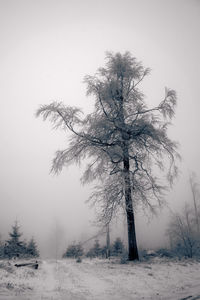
101 279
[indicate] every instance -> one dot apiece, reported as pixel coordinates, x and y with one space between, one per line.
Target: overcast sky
46 48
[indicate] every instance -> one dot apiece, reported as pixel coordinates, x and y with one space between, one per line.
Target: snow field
101 279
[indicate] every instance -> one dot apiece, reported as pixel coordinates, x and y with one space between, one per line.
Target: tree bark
107 242
132 242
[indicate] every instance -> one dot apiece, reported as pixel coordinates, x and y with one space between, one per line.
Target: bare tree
182 234
122 138
184 226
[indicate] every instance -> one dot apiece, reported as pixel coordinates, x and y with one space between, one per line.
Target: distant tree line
14 247
76 250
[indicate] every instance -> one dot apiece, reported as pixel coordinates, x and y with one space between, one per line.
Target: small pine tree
32 250
118 247
95 251
14 247
75 250
104 251
96 248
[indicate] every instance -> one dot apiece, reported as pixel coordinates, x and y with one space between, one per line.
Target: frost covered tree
122 139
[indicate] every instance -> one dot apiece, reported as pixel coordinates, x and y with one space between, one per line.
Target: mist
47 47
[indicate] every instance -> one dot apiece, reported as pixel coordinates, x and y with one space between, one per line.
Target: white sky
46 48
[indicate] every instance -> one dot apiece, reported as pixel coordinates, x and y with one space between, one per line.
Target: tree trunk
132 243
107 242
195 206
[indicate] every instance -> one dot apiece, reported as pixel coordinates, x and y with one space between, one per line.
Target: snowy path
100 279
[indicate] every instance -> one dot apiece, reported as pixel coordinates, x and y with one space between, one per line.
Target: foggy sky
46 48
